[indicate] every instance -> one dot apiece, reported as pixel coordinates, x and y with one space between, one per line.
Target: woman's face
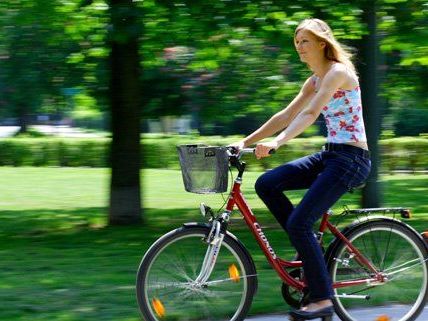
308 46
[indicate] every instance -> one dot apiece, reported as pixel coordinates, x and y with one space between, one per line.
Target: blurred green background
208 72
223 66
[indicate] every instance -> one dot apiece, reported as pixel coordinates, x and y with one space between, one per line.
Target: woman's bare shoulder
341 71
338 68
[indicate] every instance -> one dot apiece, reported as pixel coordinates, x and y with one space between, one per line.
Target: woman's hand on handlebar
265 149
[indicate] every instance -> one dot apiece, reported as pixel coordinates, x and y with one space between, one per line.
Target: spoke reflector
158 307
383 318
234 273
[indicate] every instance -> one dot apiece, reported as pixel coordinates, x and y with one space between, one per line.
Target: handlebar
234 152
235 156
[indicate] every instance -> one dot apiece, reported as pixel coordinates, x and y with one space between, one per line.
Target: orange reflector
234 273
425 235
158 307
383 318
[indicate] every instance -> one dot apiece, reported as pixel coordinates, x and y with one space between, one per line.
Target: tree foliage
230 64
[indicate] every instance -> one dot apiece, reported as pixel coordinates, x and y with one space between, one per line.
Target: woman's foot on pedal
322 309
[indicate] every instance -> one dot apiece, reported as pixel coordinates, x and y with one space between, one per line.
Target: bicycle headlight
206 210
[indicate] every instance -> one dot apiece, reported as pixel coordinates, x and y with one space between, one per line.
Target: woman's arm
282 119
333 80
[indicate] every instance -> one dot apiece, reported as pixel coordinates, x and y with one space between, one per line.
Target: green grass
60 262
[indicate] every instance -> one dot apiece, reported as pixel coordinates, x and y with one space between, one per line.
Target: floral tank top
343 116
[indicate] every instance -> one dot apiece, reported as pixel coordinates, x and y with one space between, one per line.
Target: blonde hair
333 50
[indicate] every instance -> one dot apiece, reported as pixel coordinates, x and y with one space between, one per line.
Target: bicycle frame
237 198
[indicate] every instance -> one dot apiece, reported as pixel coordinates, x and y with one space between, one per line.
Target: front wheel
393 249
167 286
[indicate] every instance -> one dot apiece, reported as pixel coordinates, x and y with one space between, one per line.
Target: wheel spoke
228 279
416 265
394 268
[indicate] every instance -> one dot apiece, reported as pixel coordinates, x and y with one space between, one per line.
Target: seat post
324 220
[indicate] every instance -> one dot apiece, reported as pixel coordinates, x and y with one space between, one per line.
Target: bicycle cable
222 194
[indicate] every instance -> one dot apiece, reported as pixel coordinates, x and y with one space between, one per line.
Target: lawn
61 262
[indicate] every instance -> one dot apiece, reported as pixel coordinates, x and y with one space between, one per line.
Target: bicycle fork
214 240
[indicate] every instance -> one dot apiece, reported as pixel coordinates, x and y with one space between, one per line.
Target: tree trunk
124 94
22 119
368 68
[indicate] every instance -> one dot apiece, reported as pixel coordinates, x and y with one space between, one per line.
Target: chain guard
293 297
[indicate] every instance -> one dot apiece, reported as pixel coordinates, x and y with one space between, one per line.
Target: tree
368 68
33 52
124 95
403 44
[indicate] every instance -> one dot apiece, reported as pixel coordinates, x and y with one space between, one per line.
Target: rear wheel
400 254
166 279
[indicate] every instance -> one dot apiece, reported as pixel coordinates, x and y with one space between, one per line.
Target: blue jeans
327 175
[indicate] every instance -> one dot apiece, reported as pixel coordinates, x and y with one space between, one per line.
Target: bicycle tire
172 262
399 252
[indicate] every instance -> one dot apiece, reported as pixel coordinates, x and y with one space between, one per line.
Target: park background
95 95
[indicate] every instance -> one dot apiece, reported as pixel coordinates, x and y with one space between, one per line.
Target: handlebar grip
253 150
243 151
247 150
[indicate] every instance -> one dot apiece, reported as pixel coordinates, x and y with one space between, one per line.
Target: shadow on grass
68 265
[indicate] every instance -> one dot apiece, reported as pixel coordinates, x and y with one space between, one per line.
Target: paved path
61 131
7 131
369 315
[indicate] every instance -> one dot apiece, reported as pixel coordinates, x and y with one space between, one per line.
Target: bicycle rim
170 292
396 252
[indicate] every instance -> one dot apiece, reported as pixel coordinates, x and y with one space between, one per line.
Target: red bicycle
201 271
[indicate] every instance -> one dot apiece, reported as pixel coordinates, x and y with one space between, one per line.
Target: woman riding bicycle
344 162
